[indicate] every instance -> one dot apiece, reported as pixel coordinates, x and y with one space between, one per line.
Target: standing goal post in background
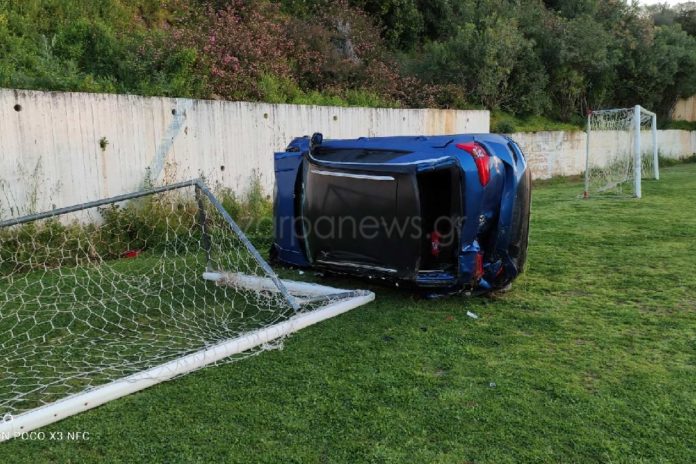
616 155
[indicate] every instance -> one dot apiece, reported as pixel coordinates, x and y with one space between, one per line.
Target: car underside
443 213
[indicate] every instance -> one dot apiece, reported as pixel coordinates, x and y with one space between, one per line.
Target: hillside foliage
556 58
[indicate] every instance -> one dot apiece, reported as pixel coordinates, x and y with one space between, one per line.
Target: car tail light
478 272
481 158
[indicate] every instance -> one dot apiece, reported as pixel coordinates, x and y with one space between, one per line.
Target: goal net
110 297
621 149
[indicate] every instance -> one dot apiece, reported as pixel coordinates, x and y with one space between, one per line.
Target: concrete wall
66 148
562 153
685 109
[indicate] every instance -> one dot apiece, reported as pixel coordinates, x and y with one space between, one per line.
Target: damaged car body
443 213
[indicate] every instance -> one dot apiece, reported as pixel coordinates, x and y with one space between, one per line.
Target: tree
402 20
661 72
686 17
478 58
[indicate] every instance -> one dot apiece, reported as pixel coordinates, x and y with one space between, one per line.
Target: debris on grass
472 315
273 345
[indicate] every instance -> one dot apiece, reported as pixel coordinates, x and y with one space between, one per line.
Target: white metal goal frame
309 303
637 113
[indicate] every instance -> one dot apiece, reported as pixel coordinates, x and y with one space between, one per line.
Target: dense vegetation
526 57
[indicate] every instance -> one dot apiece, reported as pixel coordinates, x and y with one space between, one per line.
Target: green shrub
504 127
667 162
253 212
505 123
275 89
679 125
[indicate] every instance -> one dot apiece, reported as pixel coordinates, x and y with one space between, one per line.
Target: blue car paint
287 246
494 203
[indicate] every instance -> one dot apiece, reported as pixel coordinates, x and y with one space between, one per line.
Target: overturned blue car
443 213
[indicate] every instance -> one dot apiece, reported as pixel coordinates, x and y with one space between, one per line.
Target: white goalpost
110 297
621 149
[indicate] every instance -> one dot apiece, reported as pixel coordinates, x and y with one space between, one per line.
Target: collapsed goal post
107 298
615 157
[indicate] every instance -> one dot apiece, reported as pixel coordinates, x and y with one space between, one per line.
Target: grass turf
590 358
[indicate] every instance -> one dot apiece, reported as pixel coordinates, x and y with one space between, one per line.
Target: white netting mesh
104 292
611 150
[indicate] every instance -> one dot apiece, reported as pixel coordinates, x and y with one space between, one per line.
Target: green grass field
590 358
